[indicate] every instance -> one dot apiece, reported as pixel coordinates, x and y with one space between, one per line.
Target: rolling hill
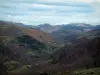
25 44
10 29
83 53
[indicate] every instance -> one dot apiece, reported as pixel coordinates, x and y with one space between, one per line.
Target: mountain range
74 26
48 49
48 28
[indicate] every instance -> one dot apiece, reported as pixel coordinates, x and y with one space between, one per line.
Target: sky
34 12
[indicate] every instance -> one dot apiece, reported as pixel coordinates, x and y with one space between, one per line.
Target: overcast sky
35 12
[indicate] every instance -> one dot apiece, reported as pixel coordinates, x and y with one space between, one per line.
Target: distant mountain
77 26
68 36
48 28
70 32
23 25
19 24
96 27
74 26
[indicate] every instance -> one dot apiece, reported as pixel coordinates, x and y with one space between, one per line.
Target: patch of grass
20 71
92 71
11 65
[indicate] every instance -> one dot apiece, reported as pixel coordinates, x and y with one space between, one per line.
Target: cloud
50 11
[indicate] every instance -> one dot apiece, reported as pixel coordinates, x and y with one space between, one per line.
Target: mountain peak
80 24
